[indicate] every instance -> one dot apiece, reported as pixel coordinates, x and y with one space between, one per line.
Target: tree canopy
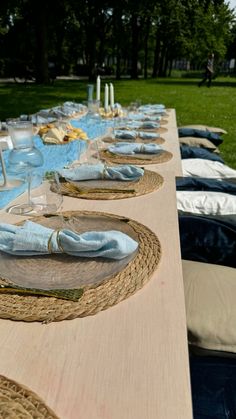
126 37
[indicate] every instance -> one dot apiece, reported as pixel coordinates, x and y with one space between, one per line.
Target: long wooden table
127 362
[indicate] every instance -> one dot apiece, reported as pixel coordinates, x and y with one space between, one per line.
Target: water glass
47 198
21 133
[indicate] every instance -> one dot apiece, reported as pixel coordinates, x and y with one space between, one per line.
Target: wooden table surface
127 362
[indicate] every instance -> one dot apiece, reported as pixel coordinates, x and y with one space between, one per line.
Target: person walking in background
208 71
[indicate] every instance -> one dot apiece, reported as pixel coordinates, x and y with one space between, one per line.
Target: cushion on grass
228 218
210 305
207 168
206 128
188 152
213 383
189 183
191 132
206 202
205 239
199 142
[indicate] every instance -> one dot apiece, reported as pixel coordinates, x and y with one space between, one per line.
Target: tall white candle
106 97
98 92
111 95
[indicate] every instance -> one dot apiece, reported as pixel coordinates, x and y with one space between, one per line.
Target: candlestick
106 97
98 95
111 95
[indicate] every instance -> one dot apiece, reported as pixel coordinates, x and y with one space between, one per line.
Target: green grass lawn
215 106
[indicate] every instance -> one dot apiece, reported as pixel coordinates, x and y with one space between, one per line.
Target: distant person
208 71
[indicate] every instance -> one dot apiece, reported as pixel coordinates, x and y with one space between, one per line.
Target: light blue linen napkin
139 125
148 135
99 171
126 134
144 117
32 239
132 135
67 109
135 148
156 106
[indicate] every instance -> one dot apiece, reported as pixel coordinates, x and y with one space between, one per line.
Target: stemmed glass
23 158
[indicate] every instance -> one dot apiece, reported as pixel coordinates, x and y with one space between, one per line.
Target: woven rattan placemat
157 140
96 296
18 402
149 182
162 157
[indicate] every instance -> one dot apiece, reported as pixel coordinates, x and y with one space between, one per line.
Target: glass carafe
23 158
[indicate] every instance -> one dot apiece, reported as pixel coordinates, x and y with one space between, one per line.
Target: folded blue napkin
144 117
148 135
135 148
152 109
140 125
148 107
132 135
45 116
99 171
32 239
126 134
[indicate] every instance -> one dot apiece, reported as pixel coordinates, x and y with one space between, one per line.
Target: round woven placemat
157 140
18 402
96 297
163 157
149 182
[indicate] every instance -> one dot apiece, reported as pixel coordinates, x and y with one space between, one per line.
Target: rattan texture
18 402
157 140
149 182
162 157
95 298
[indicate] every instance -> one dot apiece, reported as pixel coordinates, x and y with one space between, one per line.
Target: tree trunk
134 53
41 32
146 48
156 55
161 70
117 16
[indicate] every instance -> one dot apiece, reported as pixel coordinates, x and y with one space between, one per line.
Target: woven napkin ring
57 232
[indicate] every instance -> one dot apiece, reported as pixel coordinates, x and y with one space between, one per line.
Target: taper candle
106 97
98 91
111 95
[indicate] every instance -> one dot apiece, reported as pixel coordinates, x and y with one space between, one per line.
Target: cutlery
64 294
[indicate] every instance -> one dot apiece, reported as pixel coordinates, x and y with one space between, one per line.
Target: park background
152 51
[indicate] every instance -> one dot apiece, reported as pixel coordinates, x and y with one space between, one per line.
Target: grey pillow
216 130
199 142
210 305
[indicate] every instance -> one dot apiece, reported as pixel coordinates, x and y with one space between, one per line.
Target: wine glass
47 197
23 158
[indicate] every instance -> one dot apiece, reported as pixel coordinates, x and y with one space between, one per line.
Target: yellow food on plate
52 134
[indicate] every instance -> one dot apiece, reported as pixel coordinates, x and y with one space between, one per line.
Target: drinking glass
47 197
23 158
